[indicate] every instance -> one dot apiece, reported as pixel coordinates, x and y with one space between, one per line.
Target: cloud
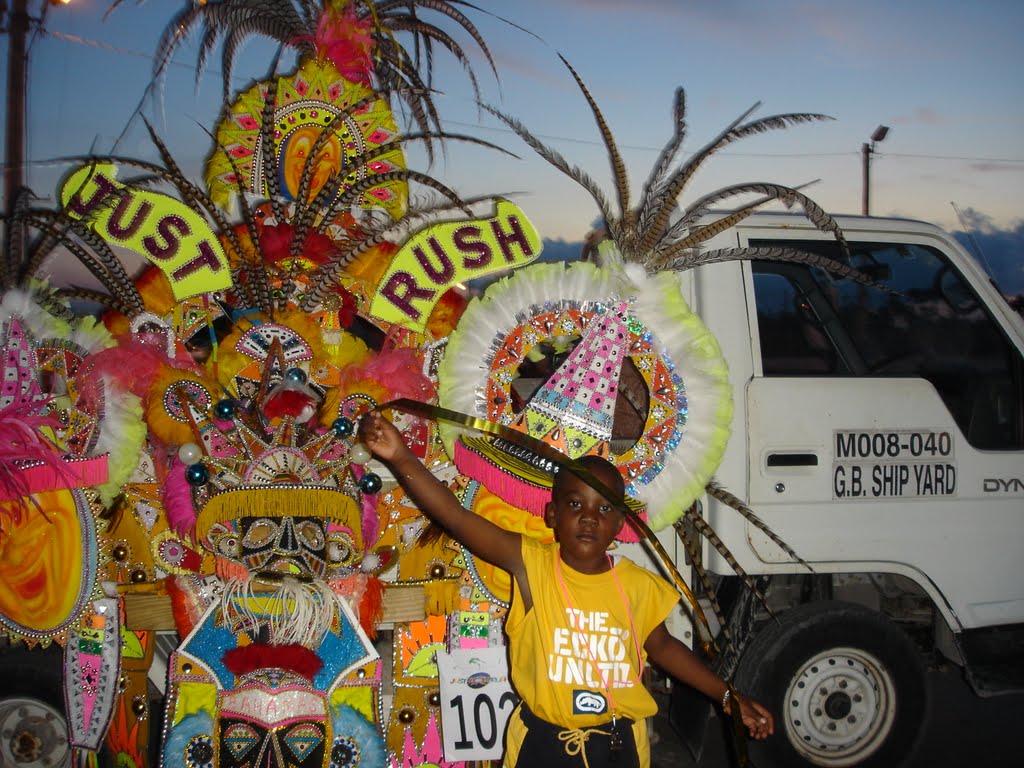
995 167
999 251
922 116
979 221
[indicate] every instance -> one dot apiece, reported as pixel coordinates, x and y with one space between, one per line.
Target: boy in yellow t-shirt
581 624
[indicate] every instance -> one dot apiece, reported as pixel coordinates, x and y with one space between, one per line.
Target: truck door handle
792 460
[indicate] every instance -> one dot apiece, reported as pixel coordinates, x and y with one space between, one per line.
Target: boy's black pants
543 747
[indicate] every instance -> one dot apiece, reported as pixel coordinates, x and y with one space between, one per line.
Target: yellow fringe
270 501
441 597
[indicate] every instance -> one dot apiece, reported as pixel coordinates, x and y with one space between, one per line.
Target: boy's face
585 522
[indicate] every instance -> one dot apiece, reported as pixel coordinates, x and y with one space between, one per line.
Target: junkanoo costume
201 449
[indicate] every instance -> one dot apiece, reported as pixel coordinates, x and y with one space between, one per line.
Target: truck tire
846 687
33 730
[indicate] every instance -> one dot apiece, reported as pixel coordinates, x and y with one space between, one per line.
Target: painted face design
297 155
273 722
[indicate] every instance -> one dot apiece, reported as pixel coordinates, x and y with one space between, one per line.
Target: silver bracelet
726 696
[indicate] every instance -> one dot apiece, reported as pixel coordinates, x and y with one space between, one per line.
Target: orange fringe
180 607
371 607
229 569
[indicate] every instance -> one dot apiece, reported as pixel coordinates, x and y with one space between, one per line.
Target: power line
128 52
955 157
730 153
569 139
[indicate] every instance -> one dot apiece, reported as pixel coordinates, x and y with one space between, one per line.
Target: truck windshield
922 320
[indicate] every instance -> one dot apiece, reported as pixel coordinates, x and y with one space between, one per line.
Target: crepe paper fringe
521 492
371 606
245 659
18 483
441 596
501 483
182 607
366 593
229 569
279 501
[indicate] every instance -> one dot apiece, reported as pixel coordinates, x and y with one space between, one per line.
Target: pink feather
371 520
21 444
346 42
133 365
400 371
178 506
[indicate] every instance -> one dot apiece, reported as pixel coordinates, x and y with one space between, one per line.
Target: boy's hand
381 436
759 721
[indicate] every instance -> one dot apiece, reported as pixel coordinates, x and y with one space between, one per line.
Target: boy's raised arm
482 537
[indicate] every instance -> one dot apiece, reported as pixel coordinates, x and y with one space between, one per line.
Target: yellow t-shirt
574 656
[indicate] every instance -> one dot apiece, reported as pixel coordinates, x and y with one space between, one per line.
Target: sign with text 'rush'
444 255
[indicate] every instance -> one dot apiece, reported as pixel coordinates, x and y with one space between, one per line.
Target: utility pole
867 150
17 78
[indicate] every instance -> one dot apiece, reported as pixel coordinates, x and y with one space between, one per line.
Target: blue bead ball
370 483
296 374
343 427
197 474
225 410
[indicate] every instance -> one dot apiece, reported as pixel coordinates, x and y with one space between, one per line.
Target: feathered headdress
540 317
362 38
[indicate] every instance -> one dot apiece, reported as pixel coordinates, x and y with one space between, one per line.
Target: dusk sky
945 75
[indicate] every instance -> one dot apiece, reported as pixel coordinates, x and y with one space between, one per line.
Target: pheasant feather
693 552
721 494
557 160
619 174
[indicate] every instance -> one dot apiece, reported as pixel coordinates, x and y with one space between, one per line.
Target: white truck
880 433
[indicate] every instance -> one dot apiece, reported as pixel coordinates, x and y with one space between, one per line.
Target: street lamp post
18 24
17 64
867 150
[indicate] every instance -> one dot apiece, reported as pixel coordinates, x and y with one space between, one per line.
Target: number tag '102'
476 701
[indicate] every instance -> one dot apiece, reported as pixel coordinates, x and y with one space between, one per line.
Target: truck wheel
33 731
845 685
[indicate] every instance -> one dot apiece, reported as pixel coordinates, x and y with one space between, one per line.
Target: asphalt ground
962 731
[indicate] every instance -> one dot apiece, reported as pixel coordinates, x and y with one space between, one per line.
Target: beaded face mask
299 546
286 545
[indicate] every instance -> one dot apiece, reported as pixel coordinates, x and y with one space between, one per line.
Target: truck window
925 322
